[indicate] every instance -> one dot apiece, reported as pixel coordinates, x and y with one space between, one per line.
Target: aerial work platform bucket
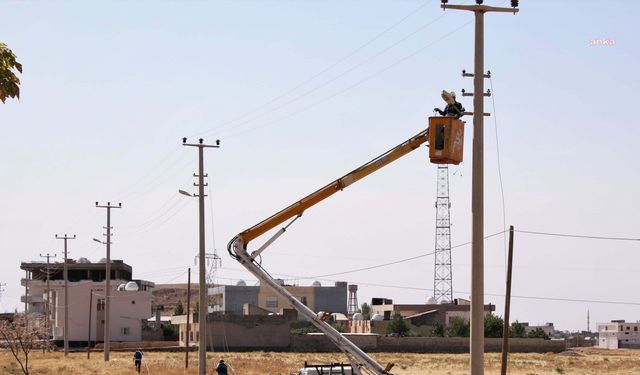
446 140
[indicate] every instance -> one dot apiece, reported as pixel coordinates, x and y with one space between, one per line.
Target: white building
618 334
128 308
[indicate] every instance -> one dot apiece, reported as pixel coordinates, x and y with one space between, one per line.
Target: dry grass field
586 361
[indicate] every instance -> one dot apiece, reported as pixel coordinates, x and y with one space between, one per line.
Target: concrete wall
231 298
234 332
375 343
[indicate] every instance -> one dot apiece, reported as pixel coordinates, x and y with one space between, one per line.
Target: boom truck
447 140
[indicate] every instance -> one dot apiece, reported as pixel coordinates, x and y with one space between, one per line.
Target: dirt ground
580 361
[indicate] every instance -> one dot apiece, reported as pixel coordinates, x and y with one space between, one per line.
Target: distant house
548 328
230 299
130 299
425 314
618 334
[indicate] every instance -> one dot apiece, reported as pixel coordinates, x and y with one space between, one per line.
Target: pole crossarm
480 8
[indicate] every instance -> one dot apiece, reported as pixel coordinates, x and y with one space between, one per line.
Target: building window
272 302
100 305
181 336
635 328
125 331
303 299
628 328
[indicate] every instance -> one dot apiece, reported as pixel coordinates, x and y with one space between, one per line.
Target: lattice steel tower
442 276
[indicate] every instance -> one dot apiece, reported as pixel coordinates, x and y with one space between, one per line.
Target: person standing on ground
222 368
137 359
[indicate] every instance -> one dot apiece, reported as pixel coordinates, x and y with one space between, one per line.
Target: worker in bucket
453 107
222 368
137 359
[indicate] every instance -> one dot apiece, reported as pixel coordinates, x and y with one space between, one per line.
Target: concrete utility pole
107 289
477 193
202 315
66 293
89 333
186 353
47 306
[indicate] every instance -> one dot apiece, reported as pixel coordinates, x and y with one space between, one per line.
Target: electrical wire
578 236
394 262
354 85
344 73
224 125
504 210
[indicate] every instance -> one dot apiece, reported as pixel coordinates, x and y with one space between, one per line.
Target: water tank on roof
432 301
280 282
241 283
102 260
131 286
377 317
316 283
358 316
121 287
83 260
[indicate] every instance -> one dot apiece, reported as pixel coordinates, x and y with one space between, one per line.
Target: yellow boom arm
325 192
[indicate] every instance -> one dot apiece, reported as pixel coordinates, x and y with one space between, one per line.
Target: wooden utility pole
186 353
507 306
66 292
47 306
107 289
202 315
477 191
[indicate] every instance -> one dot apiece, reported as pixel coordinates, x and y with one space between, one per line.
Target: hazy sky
300 93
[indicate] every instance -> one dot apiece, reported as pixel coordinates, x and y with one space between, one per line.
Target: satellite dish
241 283
121 287
358 316
131 286
316 283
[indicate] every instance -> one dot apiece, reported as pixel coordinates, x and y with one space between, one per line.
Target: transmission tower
442 276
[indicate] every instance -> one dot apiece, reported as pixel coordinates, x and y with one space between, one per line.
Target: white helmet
453 93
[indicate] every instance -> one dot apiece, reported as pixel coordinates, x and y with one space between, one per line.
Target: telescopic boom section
318 196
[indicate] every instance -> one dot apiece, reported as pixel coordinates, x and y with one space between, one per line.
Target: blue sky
300 93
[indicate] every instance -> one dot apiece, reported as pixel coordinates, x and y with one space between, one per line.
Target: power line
579 236
504 210
356 84
344 73
325 70
394 262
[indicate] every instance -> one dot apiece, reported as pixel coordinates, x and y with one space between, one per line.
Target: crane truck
448 136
